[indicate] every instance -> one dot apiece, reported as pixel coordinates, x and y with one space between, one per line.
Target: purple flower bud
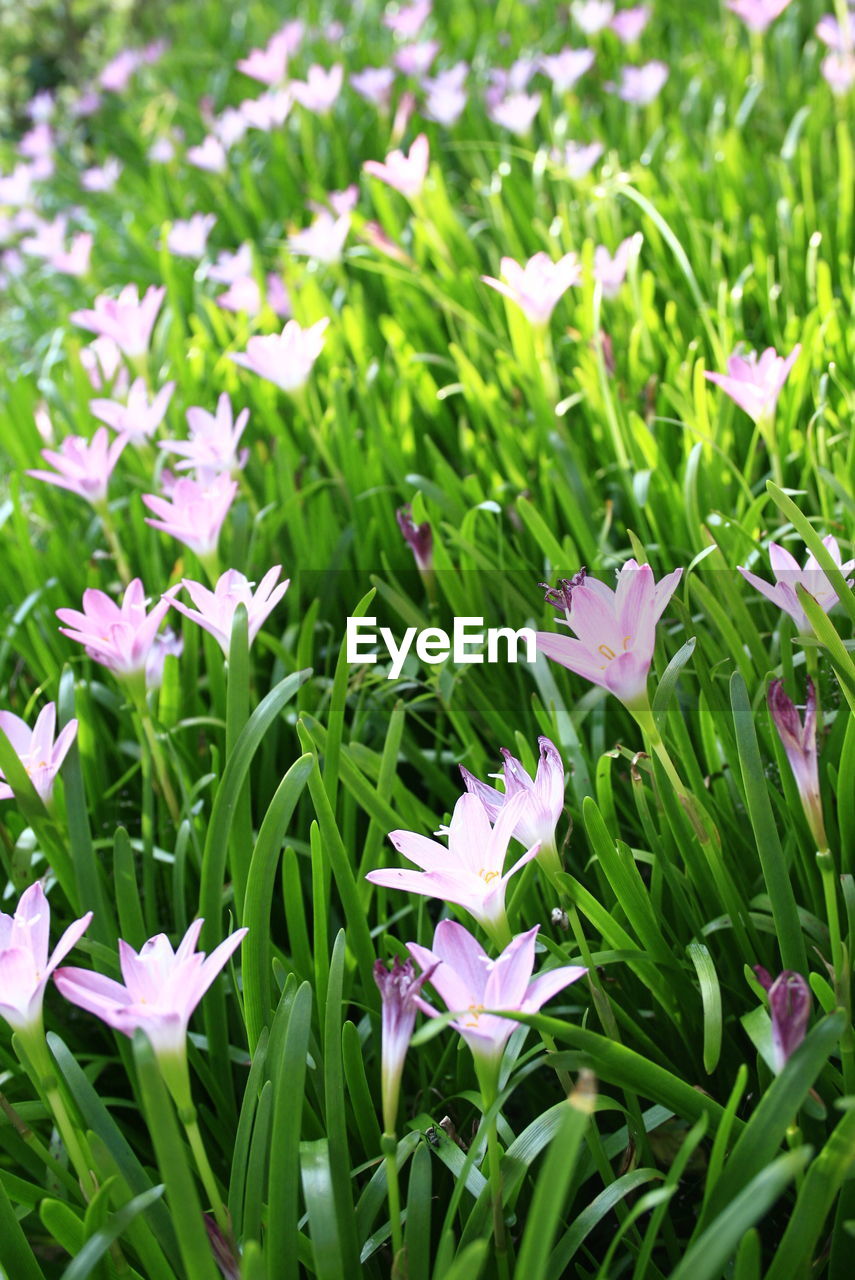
790 1006
398 988
799 742
420 538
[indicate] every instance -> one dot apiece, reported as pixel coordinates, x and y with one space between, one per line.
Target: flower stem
122 567
839 961
494 1156
158 761
209 1182
37 1061
389 1147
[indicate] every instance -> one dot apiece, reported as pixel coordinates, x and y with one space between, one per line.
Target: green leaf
98 1244
550 1192
711 1000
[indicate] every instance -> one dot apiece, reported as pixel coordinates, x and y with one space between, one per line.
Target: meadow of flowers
395 961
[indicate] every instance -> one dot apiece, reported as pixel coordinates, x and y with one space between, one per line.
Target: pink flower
137 419
406 173
102 178
286 358
830 32
790 1005
609 271
268 65
47 237
267 112
37 751
756 384
37 142
415 59
128 319
73 261
544 796
799 742
231 267
242 295
592 16
399 987
215 610
516 112
277 296
566 67
189 238
194 513
419 537
470 871
446 94
102 361
374 84
615 630
24 963
471 984
161 988
230 127
323 240
408 20
119 637
629 23
213 445
320 89
578 158
757 14
788 576
209 155
640 85
116 75
162 150
41 107
165 645
83 466
838 71
537 286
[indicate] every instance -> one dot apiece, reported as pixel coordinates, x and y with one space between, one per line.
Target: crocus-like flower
544 795
415 59
162 150
36 749
286 358
188 238
374 84
537 286
166 644
615 630
161 988
640 85
324 239
408 20
278 299
116 75
577 158
516 112
406 173
399 987
83 466
610 271
194 512
138 419
418 536
73 261
24 962
789 575
756 384
757 14
566 67
214 438
269 111
799 742
230 126
838 71
446 94
101 178
320 90
120 637
471 984
128 319
102 361
629 23
215 609
790 1006
267 65
210 155
470 871
230 267
592 16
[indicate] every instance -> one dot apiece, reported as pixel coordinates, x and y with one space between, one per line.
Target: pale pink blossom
615 631
215 610
243 296
213 447
83 466
73 261
230 127
102 361
194 513
120 637
285 358
321 88
473 986
278 298
188 238
162 150
47 236
566 67
628 24
138 418
510 80
517 112
407 20
165 645
789 575
342 202
537 286
640 85
544 796
267 65
116 75
323 240
209 155
415 59
37 751
267 112
161 988
832 35
405 173
16 188
755 384
398 988
230 267
37 142
374 84
102 177
838 71
86 104
41 107
757 14
24 962
577 158
128 319
592 16
610 272
446 94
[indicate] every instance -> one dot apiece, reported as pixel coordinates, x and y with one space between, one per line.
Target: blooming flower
629 23
406 173
516 112
469 871
610 271
446 94
544 796
592 16
319 91
102 177
578 158
119 637
231 267
116 75
267 112
756 384
268 65
374 84
194 512
799 742
215 609
418 536
83 466
209 155
757 14
838 71
137 419
128 319
408 20
640 85
36 749
243 295
24 963
213 445
415 59
102 361
324 239
286 358
788 576
471 984
73 261
188 238
566 67
790 1006
537 286
230 126
162 150
615 630
166 644
161 988
399 987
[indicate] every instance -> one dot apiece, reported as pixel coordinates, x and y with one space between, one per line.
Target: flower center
609 653
476 1010
487 876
